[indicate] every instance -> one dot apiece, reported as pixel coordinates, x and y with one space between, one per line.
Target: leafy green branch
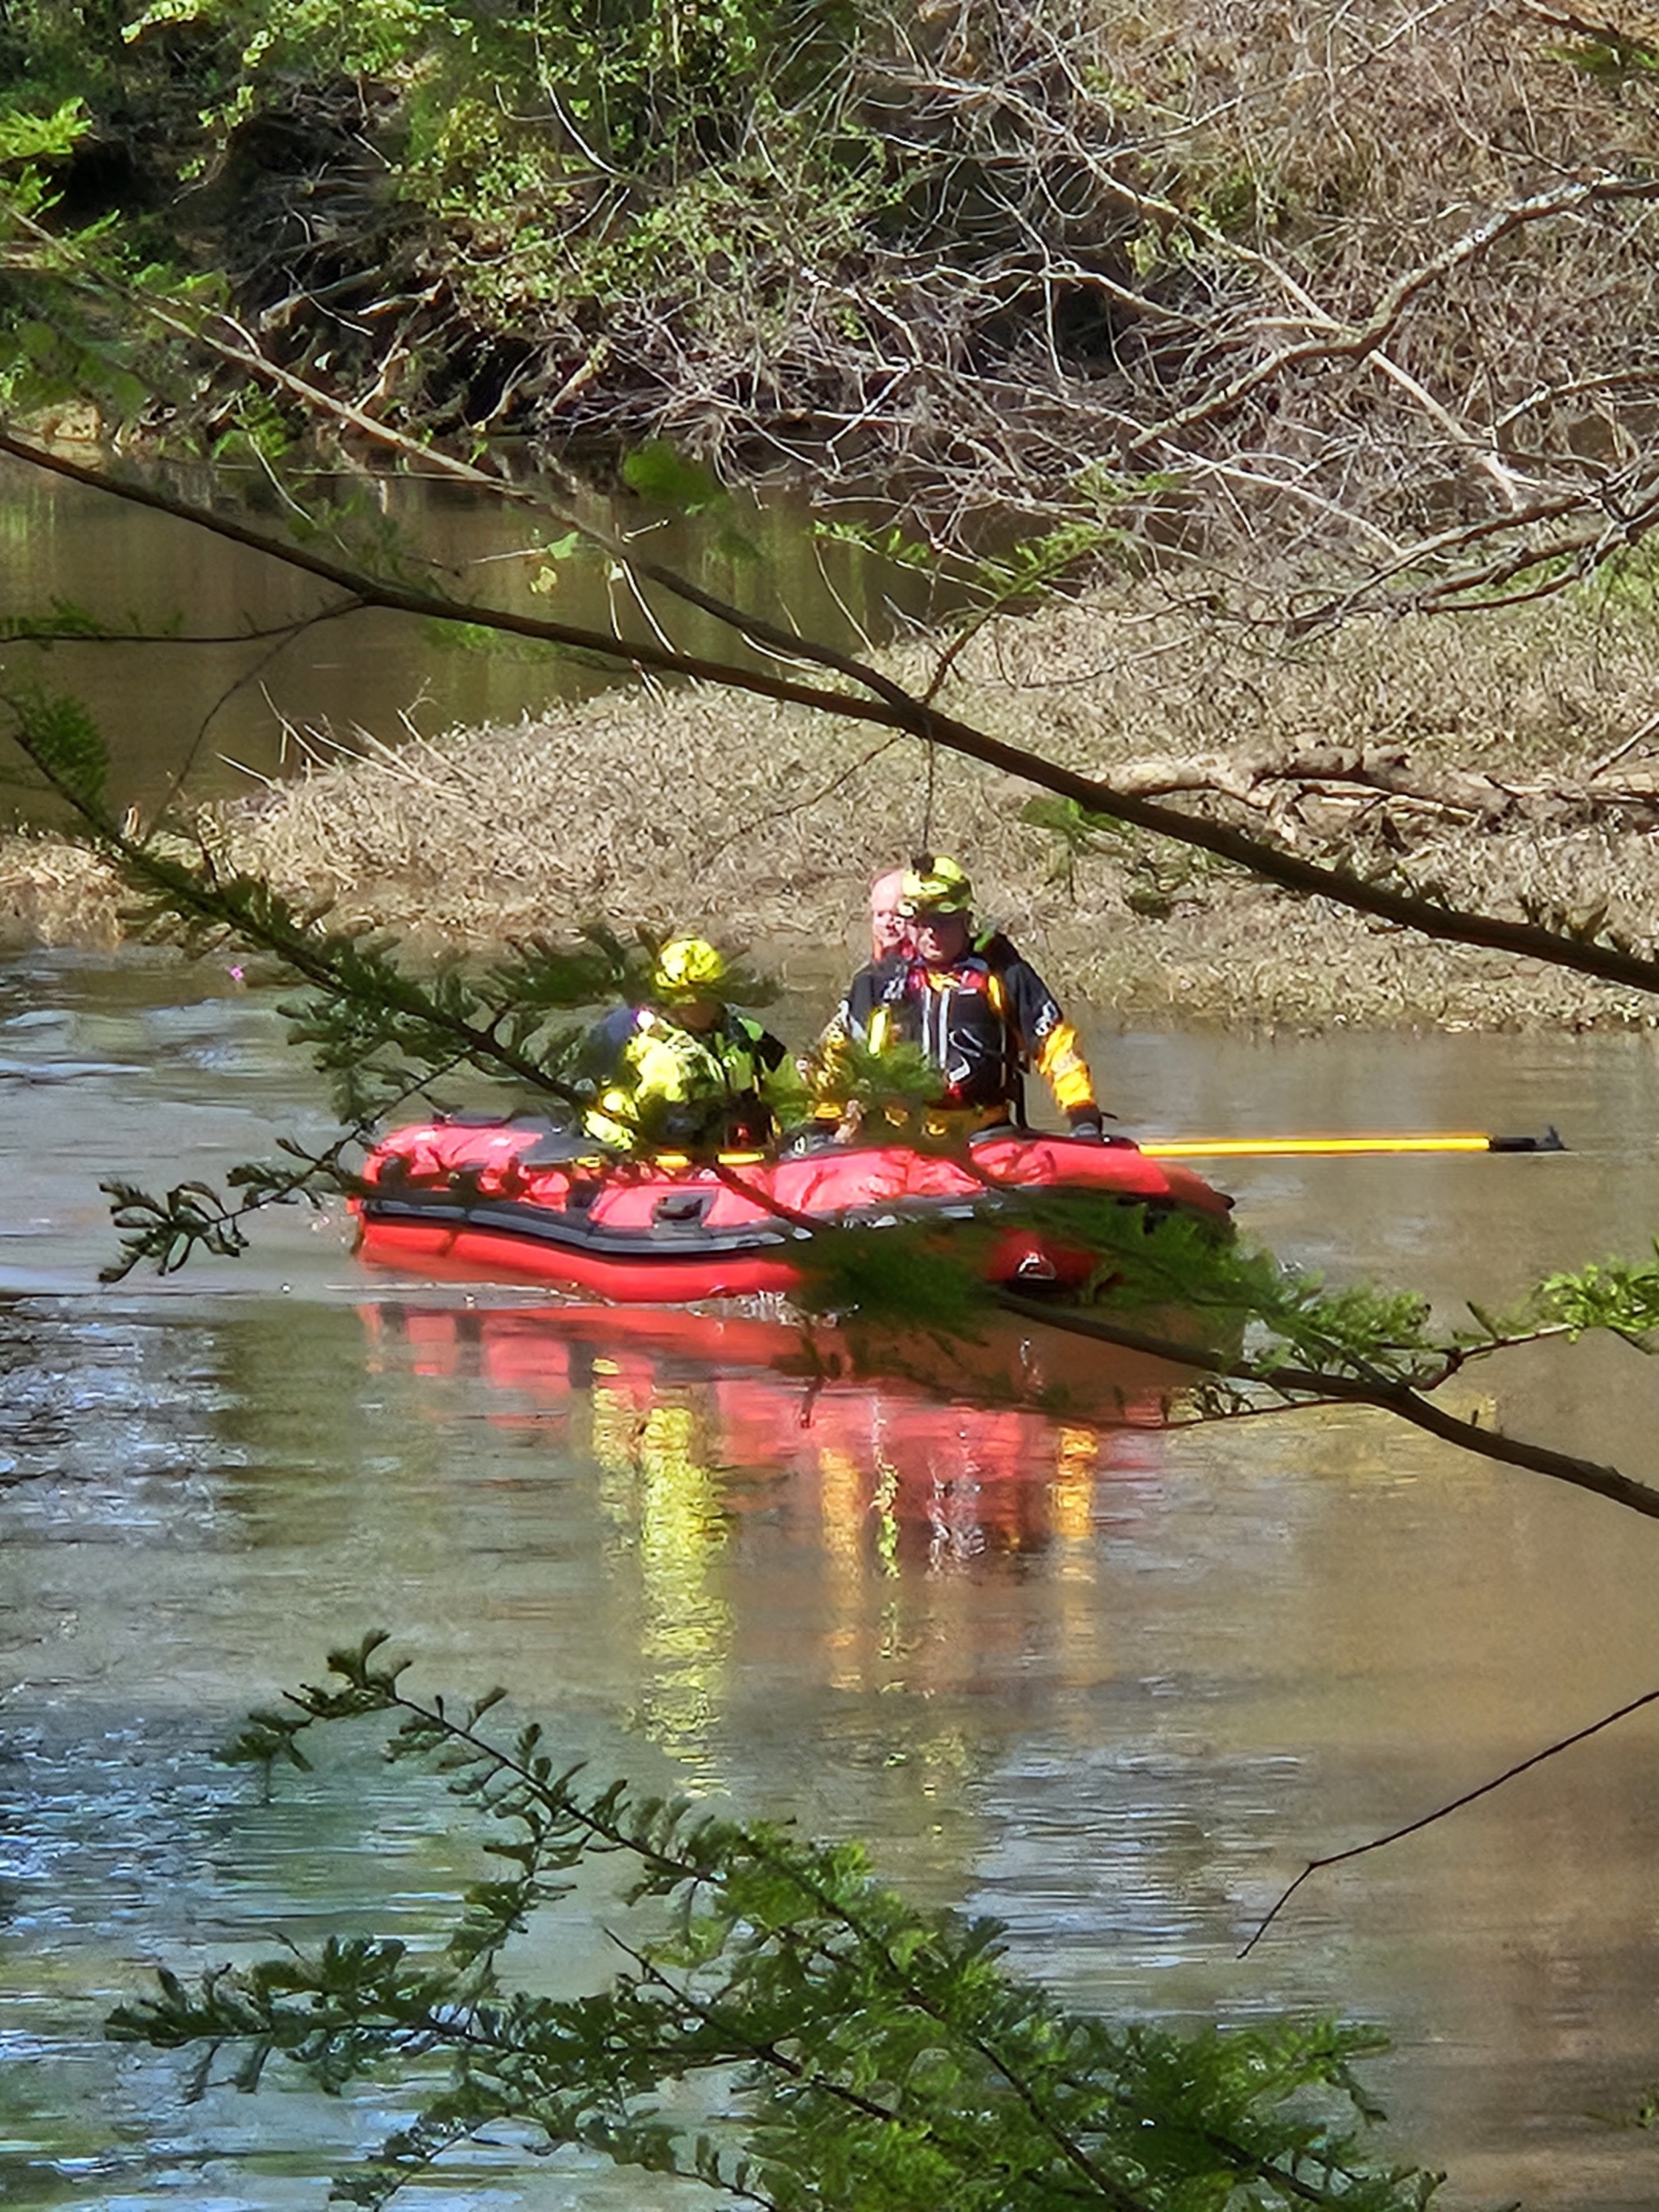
1253 1333
841 2046
377 1029
1360 1347
193 1218
382 1034
1158 870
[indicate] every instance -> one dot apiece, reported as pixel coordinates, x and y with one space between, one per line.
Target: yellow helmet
936 885
688 967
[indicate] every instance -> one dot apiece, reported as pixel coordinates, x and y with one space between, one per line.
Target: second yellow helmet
936 885
687 966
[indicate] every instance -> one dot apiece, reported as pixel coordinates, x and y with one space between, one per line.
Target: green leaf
25 137
63 740
860 2050
660 473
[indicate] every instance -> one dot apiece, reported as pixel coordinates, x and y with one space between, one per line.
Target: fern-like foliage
831 2046
164 1231
1619 1296
62 740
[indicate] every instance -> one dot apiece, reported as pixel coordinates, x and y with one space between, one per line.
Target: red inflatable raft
520 1199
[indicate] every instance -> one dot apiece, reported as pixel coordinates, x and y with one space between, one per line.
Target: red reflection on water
915 1472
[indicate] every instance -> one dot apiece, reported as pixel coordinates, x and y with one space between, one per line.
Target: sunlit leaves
1034 565
888 1091
915 1276
660 473
1157 871
1619 1295
63 341
63 619
26 138
166 1231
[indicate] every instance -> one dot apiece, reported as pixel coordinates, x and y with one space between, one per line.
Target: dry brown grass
758 822
56 893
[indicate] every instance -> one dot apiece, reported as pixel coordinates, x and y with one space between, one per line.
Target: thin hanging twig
1444 1812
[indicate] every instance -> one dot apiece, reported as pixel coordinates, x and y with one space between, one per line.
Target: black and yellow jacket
982 1022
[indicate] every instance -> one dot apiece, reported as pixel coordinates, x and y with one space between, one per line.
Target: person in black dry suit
981 1014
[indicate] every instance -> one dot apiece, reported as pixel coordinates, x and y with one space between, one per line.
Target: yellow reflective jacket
982 1021
677 1087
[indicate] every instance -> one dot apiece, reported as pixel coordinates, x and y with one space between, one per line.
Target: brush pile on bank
1514 764
1358 286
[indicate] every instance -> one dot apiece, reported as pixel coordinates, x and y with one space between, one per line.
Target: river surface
1114 1685
244 674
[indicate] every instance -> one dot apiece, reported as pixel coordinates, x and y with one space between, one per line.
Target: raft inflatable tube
520 1199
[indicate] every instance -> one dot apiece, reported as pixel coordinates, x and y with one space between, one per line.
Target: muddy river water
1113 1684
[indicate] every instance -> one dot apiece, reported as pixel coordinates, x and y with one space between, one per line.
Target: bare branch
894 708
1445 1812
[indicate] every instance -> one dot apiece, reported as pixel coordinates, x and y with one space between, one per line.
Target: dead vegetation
1370 285
56 893
1367 283
1510 765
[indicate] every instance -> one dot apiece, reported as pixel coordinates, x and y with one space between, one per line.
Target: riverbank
1504 761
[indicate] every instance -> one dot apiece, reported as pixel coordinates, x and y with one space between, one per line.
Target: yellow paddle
1336 1148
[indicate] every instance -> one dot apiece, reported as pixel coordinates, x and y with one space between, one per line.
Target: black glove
1086 1123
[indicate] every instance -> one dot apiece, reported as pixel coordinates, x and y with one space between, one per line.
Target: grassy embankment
756 822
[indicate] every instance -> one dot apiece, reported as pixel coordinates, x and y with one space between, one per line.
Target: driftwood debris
1319 789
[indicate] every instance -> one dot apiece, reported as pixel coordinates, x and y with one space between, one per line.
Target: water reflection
1113 1684
708 1442
238 710
707 1418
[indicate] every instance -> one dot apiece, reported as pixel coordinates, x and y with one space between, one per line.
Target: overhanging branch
1400 1399
894 708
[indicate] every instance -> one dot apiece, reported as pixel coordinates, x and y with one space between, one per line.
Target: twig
802 806
248 675
1443 1812
1607 760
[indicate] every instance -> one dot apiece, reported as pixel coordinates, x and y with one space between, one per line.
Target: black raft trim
538 1225
675 1237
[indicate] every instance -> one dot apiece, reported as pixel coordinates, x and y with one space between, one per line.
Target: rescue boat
520 1199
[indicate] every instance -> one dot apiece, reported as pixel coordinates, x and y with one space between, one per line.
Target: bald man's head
889 929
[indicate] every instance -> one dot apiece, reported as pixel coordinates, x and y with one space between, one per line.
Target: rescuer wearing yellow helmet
685 1071
980 1012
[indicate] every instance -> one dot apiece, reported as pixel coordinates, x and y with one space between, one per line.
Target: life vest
982 1023
960 1018
685 1086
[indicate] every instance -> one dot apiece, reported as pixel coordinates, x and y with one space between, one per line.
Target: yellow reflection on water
1071 1494
662 1459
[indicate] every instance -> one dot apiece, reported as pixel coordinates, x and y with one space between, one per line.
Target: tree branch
894 708
1444 1812
1400 1399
